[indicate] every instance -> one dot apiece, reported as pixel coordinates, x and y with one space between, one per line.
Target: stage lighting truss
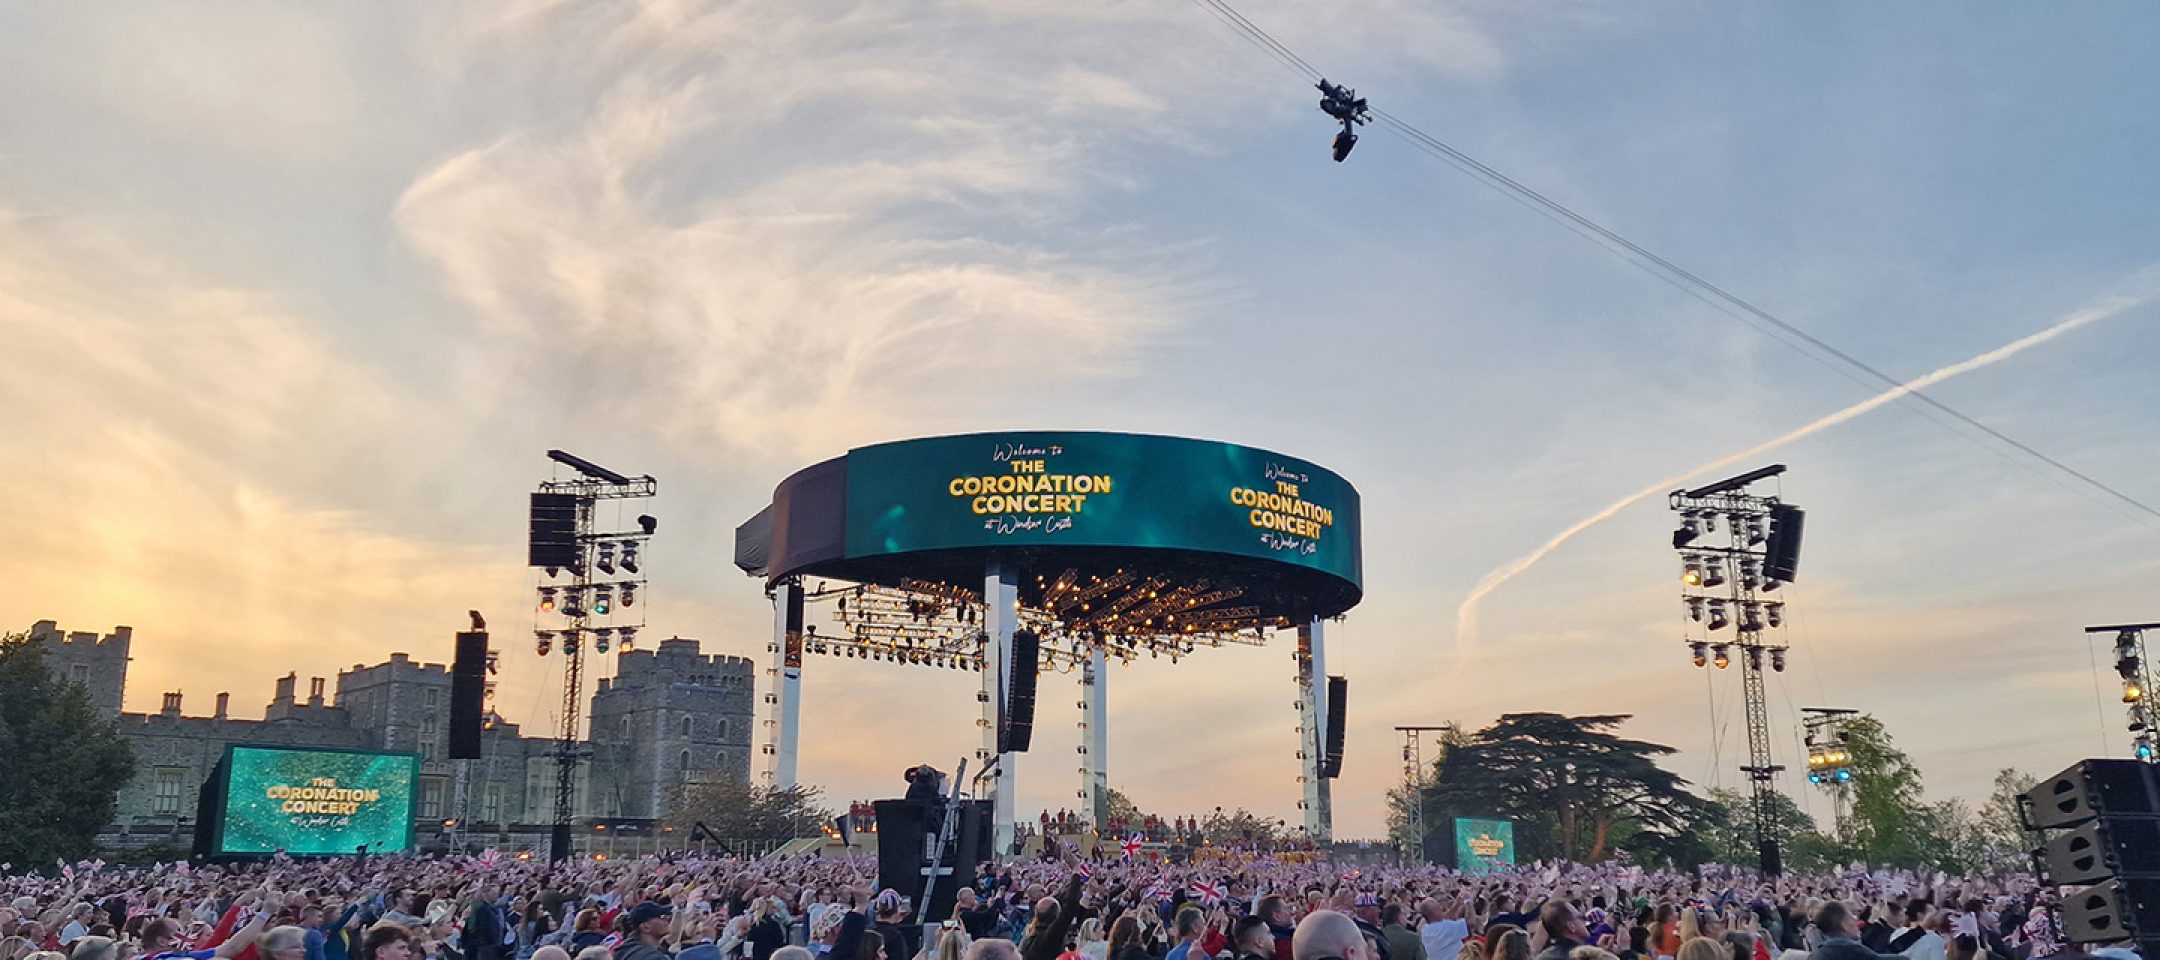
938 625
1724 579
1829 759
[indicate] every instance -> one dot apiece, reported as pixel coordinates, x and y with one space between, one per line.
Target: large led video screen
1036 489
1484 846
315 802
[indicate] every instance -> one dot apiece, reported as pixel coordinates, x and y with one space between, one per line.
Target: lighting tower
1829 759
2136 672
598 600
1416 775
1729 579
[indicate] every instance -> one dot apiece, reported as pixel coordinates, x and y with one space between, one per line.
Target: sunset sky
293 299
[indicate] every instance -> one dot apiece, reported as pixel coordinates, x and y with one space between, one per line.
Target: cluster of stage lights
1708 567
941 625
603 639
2130 666
1829 765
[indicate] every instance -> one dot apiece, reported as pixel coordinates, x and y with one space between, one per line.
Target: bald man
1328 935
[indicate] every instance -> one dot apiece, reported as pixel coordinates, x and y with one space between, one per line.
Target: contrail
1466 615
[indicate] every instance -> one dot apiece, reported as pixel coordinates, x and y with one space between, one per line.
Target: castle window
682 772
491 808
686 726
166 789
722 724
80 673
431 799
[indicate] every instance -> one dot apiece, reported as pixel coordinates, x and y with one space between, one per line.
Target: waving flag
1207 893
489 857
1131 846
1157 892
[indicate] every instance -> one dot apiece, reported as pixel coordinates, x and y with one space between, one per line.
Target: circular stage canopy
1114 533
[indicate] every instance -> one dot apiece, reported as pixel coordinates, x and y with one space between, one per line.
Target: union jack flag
1207 893
1131 846
1157 892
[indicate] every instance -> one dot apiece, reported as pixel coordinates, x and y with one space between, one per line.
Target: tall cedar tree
1572 787
61 764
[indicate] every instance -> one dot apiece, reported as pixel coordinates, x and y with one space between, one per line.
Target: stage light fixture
1769 584
1777 659
1691 571
1718 619
2144 748
1700 651
606 560
2137 720
542 642
2133 692
1775 612
601 638
547 599
1695 609
629 556
1844 776
628 594
1687 533
646 523
1754 657
1814 777
1721 655
1713 571
601 602
629 639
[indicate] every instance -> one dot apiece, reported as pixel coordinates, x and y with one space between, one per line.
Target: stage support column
787 683
1095 786
1001 611
1318 804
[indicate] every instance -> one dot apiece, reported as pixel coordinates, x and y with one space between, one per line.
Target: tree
2001 823
1889 820
1731 837
1568 783
66 763
736 810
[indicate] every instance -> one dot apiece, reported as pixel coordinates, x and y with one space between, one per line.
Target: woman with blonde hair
1090 940
1472 949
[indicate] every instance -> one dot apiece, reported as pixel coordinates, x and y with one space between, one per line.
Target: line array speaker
1338 689
554 531
468 690
1016 724
1781 554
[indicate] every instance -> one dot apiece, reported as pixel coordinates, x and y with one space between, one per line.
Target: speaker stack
907 833
468 695
2101 823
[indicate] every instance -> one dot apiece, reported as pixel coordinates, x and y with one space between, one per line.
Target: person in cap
649 924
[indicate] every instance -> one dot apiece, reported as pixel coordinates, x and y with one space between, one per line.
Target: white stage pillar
1001 611
1095 693
785 697
1318 804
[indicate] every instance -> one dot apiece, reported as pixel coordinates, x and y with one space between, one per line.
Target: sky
294 298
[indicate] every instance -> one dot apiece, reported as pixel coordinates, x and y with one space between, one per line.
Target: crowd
1058 907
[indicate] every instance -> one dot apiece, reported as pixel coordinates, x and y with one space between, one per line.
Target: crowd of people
1057 907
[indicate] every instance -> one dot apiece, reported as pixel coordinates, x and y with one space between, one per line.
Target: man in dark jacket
1564 930
649 923
1839 940
482 938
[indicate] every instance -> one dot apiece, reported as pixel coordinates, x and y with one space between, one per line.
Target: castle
668 716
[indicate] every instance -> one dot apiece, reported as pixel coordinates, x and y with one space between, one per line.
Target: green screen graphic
1028 489
1484 846
317 801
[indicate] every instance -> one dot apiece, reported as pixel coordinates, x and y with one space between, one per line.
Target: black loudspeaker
1769 858
1016 724
1781 555
1338 689
2096 851
905 830
554 531
2113 911
2091 788
468 689
900 828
